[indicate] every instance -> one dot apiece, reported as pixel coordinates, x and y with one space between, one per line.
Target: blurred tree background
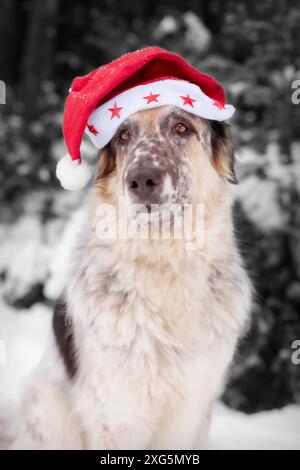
253 48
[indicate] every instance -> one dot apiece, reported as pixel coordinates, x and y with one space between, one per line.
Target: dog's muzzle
145 185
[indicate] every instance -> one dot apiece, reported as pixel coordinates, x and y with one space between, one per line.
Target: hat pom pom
73 174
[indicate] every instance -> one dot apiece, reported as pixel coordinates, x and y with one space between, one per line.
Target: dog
146 330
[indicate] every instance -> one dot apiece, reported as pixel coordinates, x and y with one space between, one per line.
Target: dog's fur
147 329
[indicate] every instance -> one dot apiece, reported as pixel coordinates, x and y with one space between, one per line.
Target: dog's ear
223 151
107 162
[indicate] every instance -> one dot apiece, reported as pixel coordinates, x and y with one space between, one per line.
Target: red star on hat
115 111
188 100
92 129
218 104
151 97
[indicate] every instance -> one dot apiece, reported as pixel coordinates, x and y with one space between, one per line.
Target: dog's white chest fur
153 346
154 332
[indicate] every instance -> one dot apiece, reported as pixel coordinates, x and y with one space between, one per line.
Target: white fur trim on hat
105 120
73 174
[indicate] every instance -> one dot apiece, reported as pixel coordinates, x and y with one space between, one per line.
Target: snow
269 430
24 336
168 25
24 256
197 36
263 181
260 201
32 252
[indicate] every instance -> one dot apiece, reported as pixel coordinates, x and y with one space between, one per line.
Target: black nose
144 184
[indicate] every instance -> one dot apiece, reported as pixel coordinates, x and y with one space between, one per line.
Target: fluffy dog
145 333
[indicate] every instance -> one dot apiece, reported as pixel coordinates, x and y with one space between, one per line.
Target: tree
38 53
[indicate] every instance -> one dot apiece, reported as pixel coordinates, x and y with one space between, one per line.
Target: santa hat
149 78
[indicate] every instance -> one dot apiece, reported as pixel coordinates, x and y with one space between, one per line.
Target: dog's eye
124 136
180 128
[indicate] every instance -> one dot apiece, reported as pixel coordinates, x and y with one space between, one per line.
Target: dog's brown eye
124 136
180 128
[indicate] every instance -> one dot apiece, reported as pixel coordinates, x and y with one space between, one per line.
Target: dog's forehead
155 120
148 121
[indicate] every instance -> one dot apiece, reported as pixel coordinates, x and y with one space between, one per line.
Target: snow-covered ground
33 253
24 336
269 430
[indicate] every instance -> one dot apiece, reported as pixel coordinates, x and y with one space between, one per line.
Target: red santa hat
149 78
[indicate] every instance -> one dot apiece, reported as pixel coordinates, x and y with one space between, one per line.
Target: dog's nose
144 184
